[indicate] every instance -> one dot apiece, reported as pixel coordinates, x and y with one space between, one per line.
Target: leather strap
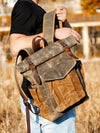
67 50
34 70
36 43
24 53
27 115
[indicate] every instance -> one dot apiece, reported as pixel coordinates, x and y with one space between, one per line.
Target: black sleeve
23 18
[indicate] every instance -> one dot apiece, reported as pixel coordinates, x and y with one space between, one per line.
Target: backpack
55 73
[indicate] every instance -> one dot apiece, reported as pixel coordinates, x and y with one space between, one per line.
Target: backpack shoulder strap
48 26
23 53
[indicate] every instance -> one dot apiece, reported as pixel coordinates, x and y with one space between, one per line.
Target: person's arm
20 41
21 26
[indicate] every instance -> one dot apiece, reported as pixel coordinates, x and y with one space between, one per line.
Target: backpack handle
38 42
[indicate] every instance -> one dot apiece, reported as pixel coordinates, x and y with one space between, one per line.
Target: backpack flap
40 56
51 63
56 68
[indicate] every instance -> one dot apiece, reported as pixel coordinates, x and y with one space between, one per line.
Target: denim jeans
64 124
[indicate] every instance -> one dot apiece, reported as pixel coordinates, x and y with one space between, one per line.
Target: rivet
61 74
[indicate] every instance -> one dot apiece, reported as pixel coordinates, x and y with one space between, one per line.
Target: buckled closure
34 70
25 102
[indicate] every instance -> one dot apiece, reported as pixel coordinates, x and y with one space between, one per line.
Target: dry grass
88 114
11 118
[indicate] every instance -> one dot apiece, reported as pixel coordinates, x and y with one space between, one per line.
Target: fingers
66 32
76 35
60 8
70 31
61 13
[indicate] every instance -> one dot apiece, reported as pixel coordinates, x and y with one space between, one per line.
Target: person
26 24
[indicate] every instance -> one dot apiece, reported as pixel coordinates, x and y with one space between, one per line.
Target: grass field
88 114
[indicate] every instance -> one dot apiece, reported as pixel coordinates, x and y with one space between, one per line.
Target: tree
90 6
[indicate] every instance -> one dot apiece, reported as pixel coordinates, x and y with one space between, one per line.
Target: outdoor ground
88 114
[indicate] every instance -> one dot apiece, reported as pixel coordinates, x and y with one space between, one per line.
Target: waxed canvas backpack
55 73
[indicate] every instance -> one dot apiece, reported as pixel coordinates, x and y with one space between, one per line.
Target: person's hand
61 13
62 33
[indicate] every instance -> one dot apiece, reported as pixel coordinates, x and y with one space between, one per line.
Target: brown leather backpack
55 73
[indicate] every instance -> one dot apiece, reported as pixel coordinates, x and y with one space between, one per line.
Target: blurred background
84 17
